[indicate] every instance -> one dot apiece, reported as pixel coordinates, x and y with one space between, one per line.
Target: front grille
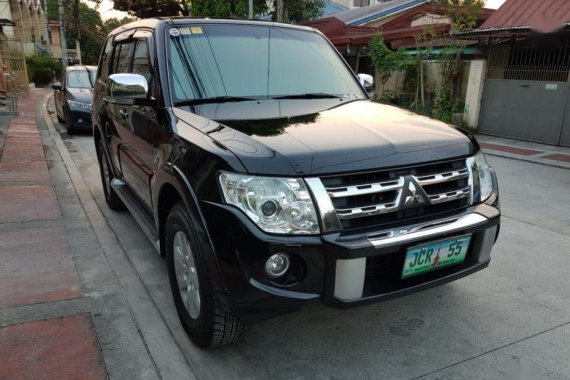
399 195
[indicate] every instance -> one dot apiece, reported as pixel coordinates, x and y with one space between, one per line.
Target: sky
106 9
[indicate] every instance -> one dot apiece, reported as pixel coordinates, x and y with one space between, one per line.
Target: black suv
254 161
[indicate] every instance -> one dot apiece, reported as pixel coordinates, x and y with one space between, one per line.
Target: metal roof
332 8
364 15
541 15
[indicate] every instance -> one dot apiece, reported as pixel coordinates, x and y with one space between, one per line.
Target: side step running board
141 215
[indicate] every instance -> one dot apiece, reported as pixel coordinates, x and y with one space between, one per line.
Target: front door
137 128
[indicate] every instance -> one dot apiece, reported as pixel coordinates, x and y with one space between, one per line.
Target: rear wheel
111 197
196 298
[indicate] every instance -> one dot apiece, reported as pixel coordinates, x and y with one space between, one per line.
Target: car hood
301 137
84 95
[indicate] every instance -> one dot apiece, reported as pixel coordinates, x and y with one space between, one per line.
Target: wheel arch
173 188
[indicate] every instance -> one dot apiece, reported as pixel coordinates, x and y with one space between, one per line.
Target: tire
68 126
111 197
203 318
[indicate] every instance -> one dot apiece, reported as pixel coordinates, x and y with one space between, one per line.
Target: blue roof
332 8
363 15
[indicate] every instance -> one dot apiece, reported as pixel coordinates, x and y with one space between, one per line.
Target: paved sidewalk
557 156
70 301
36 266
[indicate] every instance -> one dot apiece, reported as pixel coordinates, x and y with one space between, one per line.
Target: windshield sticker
174 32
197 30
185 31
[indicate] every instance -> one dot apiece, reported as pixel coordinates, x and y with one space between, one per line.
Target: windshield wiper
216 99
311 95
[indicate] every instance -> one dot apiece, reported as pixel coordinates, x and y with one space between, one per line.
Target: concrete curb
168 360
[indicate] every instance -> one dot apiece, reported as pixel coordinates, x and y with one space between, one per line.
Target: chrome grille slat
442 177
386 196
450 196
364 189
357 212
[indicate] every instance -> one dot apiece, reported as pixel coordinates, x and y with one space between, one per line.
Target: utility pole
280 10
251 9
78 31
48 34
62 41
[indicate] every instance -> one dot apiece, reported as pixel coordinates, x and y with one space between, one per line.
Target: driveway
511 318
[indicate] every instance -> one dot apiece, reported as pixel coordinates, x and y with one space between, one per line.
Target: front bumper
341 269
79 119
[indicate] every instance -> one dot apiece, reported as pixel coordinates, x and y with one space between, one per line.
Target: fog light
277 265
80 120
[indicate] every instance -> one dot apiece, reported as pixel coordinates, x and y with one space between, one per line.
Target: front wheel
196 298
111 197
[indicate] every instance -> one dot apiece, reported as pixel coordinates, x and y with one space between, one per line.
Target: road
511 318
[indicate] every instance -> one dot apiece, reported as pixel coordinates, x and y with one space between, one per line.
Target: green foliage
464 13
295 10
226 8
301 10
113 23
41 69
384 60
153 8
446 105
91 33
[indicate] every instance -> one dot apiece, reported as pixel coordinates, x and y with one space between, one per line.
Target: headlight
482 172
80 105
277 205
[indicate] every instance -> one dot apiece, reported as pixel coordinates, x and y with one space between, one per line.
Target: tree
464 14
384 60
226 8
91 33
153 8
293 10
113 23
302 10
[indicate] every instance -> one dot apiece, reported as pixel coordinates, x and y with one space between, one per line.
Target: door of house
526 110
527 91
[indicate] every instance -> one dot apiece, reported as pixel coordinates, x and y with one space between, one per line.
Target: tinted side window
123 57
106 60
141 63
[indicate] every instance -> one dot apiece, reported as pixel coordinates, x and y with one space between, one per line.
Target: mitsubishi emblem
412 196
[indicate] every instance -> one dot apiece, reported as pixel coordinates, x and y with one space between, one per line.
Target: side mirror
57 86
366 80
126 89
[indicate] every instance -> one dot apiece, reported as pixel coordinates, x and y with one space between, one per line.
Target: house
399 21
526 82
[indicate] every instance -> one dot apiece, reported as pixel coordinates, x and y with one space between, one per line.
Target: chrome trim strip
357 212
368 188
402 235
451 196
469 162
329 218
430 179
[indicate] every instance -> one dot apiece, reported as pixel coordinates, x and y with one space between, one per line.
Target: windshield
81 78
245 61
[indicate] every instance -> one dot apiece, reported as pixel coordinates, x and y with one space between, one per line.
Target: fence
532 60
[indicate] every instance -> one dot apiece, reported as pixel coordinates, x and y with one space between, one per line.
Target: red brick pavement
510 149
558 157
64 348
35 267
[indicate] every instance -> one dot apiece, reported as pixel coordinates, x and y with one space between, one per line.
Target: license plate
436 255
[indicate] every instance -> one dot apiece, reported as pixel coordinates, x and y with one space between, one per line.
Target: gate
526 93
